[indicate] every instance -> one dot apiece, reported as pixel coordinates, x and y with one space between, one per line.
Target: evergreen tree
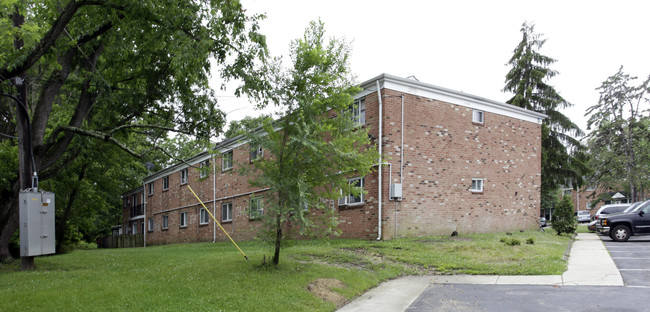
564 219
564 160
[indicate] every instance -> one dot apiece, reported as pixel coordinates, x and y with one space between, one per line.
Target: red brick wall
178 198
443 151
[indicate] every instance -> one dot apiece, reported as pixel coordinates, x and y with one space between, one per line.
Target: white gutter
401 157
380 158
144 207
214 197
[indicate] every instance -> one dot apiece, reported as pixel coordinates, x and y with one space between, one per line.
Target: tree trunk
278 239
25 158
61 224
9 219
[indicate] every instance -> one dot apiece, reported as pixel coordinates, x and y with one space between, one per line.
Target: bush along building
452 162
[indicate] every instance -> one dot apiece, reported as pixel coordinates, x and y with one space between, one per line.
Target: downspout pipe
214 197
144 208
401 149
381 142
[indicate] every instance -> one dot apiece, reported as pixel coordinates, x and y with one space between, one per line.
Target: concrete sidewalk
589 264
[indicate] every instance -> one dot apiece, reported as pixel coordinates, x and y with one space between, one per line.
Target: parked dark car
594 218
621 226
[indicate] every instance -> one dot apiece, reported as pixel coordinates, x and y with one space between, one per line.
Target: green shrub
530 241
510 241
564 220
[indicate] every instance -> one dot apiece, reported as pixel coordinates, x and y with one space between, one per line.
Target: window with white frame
256 209
256 152
358 109
351 199
477 116
204 216
150 224
204 169
183 219
184 176
150 187
134 225
165 182
165 222
226 161
477 185
226 212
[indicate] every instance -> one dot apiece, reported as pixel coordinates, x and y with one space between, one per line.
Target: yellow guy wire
217 222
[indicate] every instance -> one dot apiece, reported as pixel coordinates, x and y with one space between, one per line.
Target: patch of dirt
322 288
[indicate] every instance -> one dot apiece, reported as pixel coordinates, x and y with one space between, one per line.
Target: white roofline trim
418 88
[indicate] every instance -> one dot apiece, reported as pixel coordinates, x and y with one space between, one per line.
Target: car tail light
596 217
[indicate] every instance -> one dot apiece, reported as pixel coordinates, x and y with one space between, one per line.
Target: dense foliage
122 73
619 143
315 144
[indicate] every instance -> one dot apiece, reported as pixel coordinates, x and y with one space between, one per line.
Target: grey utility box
396 190
36 223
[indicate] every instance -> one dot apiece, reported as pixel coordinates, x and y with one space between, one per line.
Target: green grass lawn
583 228
214 276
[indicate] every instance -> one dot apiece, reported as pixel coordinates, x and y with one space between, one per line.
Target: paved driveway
632 259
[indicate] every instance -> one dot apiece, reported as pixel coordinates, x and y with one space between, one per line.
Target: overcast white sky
464 45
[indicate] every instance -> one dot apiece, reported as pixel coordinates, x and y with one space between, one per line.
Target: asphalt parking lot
632 259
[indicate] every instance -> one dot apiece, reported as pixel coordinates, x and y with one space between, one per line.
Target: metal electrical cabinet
36 223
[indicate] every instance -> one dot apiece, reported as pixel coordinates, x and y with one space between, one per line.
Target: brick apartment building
454 162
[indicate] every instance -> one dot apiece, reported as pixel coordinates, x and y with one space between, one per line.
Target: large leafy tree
564 161
620 137
314 145
247 124
121 72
